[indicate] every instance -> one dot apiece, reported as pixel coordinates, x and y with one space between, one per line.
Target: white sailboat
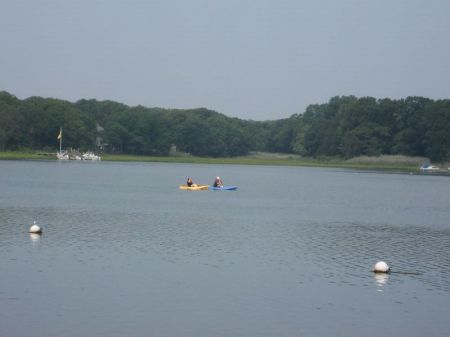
90 156
429 168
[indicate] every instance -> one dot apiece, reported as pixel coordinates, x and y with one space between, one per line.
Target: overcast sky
259 59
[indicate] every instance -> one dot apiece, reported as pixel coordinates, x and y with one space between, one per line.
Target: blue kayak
223 188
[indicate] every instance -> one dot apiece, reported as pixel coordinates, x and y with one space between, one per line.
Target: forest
345 126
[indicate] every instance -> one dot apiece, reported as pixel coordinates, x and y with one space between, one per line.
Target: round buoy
35 229
381 267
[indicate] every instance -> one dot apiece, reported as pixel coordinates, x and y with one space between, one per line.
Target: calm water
125 253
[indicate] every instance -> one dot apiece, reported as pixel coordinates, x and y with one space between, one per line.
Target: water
125 253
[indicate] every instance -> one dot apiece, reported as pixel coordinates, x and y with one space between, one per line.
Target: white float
35 229
381 267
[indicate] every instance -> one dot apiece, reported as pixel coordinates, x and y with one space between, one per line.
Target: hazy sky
259 59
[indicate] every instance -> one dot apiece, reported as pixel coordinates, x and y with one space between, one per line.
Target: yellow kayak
194 187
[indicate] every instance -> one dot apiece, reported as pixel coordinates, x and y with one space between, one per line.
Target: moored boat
62 156
73 154
90 156
429 167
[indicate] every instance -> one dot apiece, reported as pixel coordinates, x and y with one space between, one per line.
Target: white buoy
35 229
381 267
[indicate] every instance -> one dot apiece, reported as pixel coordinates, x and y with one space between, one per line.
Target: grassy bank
393 163
17 155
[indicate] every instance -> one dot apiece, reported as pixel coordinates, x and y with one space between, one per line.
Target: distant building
173 149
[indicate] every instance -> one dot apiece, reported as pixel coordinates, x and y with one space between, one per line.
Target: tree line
345 126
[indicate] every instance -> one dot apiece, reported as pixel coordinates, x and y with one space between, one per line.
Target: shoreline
382 163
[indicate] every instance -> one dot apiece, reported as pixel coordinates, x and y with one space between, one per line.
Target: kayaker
218 182
189 182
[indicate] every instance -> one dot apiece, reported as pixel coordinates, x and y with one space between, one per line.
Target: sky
259 59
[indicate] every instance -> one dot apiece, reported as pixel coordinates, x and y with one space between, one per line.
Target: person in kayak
218 182
189 182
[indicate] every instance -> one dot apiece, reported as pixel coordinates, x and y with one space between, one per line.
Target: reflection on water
126 253
381 280
35 238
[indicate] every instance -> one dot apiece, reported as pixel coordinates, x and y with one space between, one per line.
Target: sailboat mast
60 140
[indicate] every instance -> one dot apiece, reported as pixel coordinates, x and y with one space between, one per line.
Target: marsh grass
388 160
385 162
395 161
19 155
400 163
